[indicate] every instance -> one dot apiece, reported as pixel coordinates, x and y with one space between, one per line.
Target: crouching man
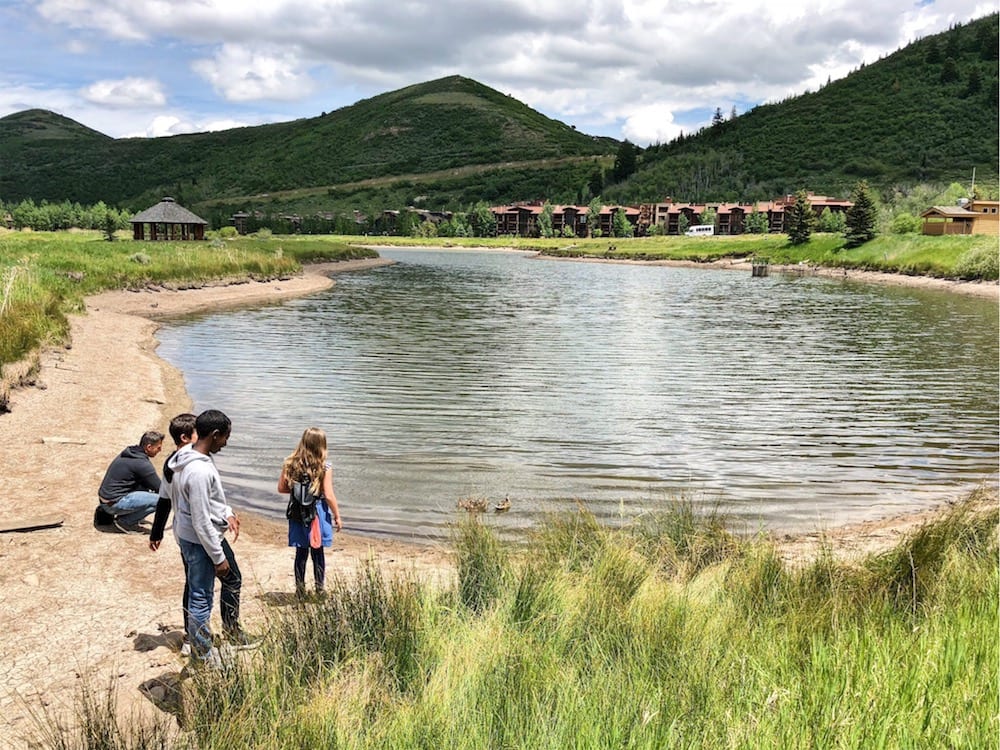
130 488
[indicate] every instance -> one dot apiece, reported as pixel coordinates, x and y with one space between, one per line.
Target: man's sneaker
240 640
211 661
126 528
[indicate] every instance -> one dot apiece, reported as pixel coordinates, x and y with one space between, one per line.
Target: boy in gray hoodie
202 517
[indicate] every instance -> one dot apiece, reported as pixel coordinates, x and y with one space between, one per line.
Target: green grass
970 258
45 275
591 637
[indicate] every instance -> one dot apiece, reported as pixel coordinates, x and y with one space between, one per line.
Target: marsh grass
46 275
584 637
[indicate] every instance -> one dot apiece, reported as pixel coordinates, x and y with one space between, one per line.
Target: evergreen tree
620 225
975 82
483 221
933 56
988 41
596 182
718 118
756 222
860 217
800 219
545 221
594 216
625 161
110 225
949 71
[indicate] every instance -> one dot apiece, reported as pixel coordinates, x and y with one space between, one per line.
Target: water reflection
794 402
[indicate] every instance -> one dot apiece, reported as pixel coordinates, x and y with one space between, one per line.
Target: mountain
23 128
926 113
450 123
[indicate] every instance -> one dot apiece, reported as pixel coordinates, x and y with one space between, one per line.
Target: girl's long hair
309 458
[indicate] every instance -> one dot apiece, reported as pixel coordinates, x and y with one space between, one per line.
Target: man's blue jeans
133 507
229 596
200 584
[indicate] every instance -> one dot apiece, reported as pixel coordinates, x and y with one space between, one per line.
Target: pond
786 402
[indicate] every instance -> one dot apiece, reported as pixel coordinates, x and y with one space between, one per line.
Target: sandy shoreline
80 605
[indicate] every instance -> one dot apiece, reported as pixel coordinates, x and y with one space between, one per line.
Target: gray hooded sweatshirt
201 514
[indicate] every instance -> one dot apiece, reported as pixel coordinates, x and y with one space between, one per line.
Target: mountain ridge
925 113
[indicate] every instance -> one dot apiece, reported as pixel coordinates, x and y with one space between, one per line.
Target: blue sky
637 69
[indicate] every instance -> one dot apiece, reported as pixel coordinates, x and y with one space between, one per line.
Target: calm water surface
789 402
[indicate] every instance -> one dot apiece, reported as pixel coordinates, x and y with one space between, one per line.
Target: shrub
905 223
978 263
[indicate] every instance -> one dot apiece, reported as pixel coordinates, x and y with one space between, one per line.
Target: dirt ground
84 606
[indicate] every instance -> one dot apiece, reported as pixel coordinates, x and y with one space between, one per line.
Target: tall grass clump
364 616
481 562
685 539
909 575
29 312
568 540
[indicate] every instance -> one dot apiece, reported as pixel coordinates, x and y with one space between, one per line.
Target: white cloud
126 93
240 74
653 123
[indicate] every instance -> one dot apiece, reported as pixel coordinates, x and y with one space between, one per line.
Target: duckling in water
503 506
473 504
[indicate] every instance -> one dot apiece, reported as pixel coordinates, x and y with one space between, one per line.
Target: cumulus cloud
241 74
653 123
126 93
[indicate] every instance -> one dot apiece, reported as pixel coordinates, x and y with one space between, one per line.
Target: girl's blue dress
298 533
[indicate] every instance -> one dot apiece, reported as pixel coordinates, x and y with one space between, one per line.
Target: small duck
473 504
503 506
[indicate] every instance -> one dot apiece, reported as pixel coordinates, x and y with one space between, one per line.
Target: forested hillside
449 123
927 113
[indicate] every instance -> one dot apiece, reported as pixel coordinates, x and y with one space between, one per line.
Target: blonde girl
309 458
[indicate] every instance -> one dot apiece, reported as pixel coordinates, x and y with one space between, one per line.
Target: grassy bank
673 633
969 258
45 275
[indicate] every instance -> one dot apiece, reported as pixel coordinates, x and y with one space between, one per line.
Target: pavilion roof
167 211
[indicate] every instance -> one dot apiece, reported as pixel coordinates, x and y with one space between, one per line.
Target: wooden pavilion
167 221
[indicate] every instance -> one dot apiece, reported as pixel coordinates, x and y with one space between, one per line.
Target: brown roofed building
167 221
969 217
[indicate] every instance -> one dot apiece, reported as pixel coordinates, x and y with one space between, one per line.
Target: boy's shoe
129 528
240 640
211 661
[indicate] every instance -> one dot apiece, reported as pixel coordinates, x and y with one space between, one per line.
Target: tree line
50 217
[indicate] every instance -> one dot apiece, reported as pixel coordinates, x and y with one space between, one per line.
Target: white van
701 230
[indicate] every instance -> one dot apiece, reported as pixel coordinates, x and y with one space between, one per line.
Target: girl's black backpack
302 502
